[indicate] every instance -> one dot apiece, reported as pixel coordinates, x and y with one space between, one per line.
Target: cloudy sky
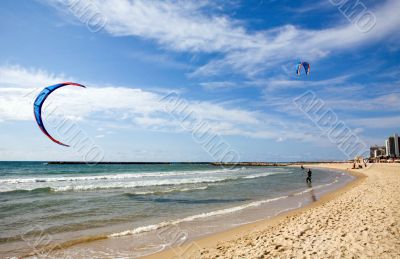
232 62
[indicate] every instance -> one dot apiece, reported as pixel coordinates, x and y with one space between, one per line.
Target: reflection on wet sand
313 197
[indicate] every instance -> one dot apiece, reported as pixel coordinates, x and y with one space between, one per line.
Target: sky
231 62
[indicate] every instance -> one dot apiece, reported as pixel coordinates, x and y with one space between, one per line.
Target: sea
127 211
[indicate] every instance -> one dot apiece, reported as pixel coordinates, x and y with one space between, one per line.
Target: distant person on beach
309 174
302 167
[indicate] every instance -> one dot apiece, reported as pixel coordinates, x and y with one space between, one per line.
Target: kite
37 107
306 66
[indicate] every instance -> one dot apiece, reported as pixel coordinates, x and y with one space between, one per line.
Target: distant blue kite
37 107
306 66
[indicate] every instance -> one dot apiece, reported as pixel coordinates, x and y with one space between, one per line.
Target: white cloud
178 25
124 107
194 26
17 76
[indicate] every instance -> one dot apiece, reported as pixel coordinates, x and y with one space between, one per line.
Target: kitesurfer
309 174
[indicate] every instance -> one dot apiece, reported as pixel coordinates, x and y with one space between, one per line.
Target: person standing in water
309 174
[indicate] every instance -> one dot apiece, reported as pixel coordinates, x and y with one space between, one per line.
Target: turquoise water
71 201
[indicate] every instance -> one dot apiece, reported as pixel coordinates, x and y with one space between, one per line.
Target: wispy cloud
313 6
17 76
195 26
386 102
378 123
350 100
282 83
219 85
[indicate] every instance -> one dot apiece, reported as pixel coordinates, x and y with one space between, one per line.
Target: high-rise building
393 146
398 144
387 147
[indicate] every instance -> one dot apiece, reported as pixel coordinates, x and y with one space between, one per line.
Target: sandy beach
361 220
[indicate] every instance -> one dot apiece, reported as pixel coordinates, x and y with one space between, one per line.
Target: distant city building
380 152
372 151
398 145
390 150
377 151
387 147
392 145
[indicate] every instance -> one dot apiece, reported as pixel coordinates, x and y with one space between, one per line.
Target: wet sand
360 220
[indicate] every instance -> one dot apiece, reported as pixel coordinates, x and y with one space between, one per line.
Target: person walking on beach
309 174
302 167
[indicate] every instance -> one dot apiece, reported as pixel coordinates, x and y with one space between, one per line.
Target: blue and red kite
306 66
37 107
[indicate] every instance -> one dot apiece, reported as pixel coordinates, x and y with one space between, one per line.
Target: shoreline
86 243
191 249
214 218
221 164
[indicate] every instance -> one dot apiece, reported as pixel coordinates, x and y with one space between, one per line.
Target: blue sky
233 62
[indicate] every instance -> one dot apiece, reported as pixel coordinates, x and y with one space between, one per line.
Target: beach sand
361 220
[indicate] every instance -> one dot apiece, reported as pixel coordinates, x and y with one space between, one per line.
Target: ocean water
42 204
